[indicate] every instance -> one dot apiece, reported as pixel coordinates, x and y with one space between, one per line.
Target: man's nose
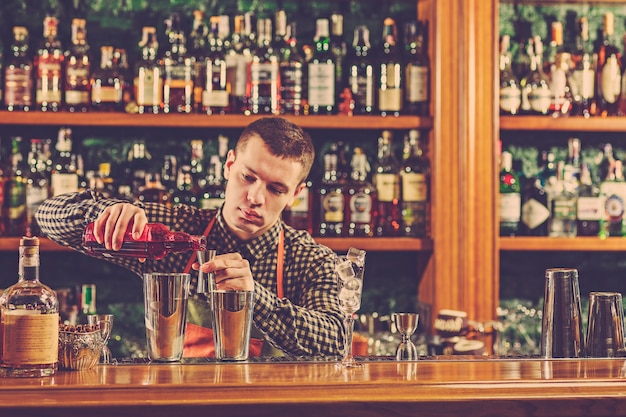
256 193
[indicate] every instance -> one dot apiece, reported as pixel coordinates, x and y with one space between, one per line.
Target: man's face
259 187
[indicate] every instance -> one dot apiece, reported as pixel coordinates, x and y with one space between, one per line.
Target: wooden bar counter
480 387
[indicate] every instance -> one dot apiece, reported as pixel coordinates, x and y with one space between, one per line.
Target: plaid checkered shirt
307 321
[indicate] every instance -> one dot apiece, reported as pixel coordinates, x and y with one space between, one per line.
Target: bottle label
34 197
589 208
611 80
48 81
73 97
539 99
387 187
237 69
29 337
63 183
510 207
291 79
362 87
321 84
417 83
332 205
414 187
583 84
106 94
361 208
390 99
534 213
614 194
564 209
17 87
149 85
510 99
215 93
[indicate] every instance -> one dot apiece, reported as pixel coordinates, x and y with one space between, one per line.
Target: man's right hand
111 225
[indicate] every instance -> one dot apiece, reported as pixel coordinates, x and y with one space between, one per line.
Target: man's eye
276 191
248 178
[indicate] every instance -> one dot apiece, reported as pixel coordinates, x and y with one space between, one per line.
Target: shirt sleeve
309 321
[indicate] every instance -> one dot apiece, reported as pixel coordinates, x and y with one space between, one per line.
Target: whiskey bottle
238 58
536 94
198 38
29 320
185 188
582 79
215 90
535 212
510 93
77 89
589 206
361 72
415 180
292 68
154 191
263 89
213 192
417 69
37 186
386 179
562 197
107 85
49 68
360 198
509 197
321 77
390 81
339 50
15 189
149 75
155 242
18 73
64 177
609 71
330 215
299 214
178 71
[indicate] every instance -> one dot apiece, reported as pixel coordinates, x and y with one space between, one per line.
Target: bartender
296 310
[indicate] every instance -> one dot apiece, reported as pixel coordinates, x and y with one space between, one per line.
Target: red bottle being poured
155 242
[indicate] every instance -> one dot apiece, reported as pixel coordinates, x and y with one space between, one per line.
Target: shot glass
605 325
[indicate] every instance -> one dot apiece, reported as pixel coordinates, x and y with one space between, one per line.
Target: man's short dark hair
284 138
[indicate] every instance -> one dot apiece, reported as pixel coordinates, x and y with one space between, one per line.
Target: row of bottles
584 80
259 68
563 199
384 196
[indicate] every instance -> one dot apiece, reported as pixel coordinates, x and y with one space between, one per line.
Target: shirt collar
258 247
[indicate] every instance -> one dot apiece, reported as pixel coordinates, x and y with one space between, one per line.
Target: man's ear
230 159
297 191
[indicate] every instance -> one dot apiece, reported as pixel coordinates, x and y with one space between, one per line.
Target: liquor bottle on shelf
18 73
169 172
361 72
120 64
535 212
360 198
386 179
415 180
390 81
510 93
509 197
138 163
215 90
559 64
263 88
15 189
589 206
184 192
1 74
606 166
29 320
198 38
64 177
417 77
107 84
196 162
88 299
536 94
330 216
520 61
573 164
149 75
321 73
155 242
583 75
562 198
238 58
154 191
77 89
178 71
339 49
37 186
292 69
49 68
609 71
299 214
213 192
613 193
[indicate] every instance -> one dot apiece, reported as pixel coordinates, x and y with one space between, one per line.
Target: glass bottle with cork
361 72
386 179
390 81
417 69
360 197
29 320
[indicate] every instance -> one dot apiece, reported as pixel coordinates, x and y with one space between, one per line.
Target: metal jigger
406 323
206 283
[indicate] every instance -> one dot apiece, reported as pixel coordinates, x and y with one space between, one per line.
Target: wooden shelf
564 124
382 244
591 244
94 119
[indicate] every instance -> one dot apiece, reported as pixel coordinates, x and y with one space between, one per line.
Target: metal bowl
79 351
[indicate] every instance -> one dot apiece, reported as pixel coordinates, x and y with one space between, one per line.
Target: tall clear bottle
292 67
149 75
178 71
510 93
18 73
589 206
15 189
263 89
609 70
215 90
536 94
321 77
417 69
360 198
29 320
415 180
77 89
386 179
64 177
238 58
563 195
198 38
390 81
613 192
330 215
361 72
339 50
37 185
583 75
107 84
49 68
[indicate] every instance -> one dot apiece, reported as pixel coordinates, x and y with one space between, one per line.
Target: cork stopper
29 241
